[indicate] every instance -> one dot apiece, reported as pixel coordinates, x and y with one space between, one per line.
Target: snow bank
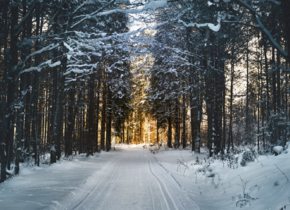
213 185
44 186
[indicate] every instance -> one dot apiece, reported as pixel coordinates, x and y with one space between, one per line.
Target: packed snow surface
131 177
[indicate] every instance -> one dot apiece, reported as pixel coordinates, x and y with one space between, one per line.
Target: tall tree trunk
11 82
183 122
218 105
267 77
54 73
104 112
58 117
247 96
140 124
209 107
285 5
71 120
273 63
278 80
199 112
128 134
91 116
169 138
59 104
224 109
274 96
259 99
54 86
20 110
28 111
97 113
278 87
109 119
157 133
82 129
193 99
19 126
176 124
35 90
123 132
50 117
3 128
230 137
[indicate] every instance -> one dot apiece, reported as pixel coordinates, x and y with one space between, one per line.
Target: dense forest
75 77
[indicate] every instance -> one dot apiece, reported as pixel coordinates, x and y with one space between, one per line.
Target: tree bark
176 124
4 120
273 64
109 120
104 111
97 119
11 82
183 122
247 95
91 116
169 138
70 126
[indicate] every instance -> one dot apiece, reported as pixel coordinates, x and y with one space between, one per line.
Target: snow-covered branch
41 66
151 5
210 25
272 1
47 48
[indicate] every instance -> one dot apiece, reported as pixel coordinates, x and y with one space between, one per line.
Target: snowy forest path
128 178
131 180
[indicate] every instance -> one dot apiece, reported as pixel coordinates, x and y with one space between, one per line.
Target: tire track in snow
75 199
165 193
110 187
189 198
151 194
168 172
113 177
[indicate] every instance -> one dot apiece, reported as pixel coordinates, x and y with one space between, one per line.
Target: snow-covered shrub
197 162
205 169
156 148
278 150
247 157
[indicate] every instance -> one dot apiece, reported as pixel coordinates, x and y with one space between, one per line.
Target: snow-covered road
128 178
131 180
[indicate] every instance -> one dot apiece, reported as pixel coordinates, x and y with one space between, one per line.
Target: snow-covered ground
132 178
215 186
44 186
